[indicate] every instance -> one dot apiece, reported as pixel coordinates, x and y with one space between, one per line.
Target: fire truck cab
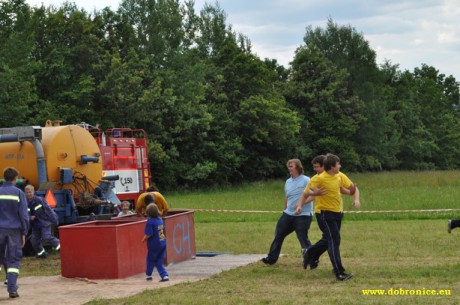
124 154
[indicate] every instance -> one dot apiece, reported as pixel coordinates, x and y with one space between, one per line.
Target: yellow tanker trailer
65 159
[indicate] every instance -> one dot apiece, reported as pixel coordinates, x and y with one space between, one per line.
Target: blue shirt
13 208
155 228
294 188
44 215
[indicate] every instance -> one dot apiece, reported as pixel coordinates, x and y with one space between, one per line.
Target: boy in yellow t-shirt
329 211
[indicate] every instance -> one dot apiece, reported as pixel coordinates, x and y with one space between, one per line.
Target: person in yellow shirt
328 186
151 197
321 245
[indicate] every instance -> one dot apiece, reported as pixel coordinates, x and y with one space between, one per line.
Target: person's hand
298 209
318 191
32 218
356 203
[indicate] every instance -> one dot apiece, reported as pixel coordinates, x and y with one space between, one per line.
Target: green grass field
402 252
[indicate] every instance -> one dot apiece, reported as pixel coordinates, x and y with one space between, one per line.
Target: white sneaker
164 279
58 247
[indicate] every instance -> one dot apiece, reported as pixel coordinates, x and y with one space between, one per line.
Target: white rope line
345 212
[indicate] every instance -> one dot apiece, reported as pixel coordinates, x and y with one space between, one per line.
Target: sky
405 32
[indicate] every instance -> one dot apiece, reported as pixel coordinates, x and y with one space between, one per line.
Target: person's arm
29 211
352 190
303 200
161 203
23 214
145 238
344 191
140 208
308 196
356 200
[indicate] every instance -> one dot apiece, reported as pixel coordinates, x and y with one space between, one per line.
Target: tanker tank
66 156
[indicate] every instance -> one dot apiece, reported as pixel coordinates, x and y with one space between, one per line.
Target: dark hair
330 161
298 165
152 188
149 199
152 210
10 173
319 159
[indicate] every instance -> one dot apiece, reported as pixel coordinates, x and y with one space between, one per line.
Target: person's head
295 167
318 163
332 162
29 190
152 211
10 174
149 198
125 206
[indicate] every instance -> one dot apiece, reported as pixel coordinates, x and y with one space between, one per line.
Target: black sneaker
314 264
307 259
148 278
449 225
42 255
266 261
343 276
303 251
14 294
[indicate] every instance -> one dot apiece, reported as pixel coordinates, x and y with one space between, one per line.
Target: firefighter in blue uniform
14 225
42 218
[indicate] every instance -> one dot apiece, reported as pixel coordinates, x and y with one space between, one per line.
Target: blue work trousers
42 235
11 241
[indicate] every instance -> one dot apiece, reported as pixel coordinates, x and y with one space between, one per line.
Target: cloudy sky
406 32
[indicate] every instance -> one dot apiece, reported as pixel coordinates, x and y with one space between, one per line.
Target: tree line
215 113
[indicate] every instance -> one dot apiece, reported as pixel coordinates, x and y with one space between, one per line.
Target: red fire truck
124 153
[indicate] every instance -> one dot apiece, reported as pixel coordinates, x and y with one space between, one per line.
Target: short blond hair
152 210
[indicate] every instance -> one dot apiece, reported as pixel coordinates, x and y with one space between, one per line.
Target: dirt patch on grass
54 290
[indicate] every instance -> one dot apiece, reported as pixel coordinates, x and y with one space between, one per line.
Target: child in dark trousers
154 234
